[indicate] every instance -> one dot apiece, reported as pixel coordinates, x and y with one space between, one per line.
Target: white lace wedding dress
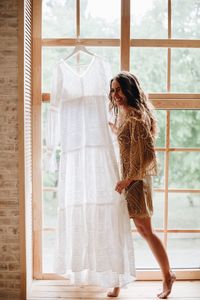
94 243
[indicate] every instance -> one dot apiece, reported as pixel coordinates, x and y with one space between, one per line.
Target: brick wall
9 206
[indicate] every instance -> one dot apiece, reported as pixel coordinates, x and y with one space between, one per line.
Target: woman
135 126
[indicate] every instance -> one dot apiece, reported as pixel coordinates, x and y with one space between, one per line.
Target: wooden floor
141 290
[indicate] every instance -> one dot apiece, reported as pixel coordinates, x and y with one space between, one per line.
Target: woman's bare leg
114 293
144 227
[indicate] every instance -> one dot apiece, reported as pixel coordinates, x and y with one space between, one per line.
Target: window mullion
169 49
37 145
125 35
165 225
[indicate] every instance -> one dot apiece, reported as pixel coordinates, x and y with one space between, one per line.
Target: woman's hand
113 127
122 185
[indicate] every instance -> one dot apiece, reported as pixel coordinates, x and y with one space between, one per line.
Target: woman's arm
122 184
142 152
113 127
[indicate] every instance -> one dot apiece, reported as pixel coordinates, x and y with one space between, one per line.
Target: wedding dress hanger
78 48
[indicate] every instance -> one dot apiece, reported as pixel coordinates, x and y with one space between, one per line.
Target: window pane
45 107
52 55
185 19
184 211
58 18
144 258
49 209
49 179
185 128
158 181
184 250
185 71
100 19
184 170
158 210
48 248
149 19
150 66
112 54
161 118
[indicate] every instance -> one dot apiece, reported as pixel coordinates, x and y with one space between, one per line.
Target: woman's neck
123 110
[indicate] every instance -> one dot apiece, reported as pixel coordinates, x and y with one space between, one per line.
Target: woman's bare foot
114 293
167 287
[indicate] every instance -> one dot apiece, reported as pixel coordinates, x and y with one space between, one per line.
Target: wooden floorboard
140 290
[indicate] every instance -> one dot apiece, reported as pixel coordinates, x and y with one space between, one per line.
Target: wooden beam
165 43
158 190
125 35
174 96
85 42
37 146
153 96
169 19
164 101
176 104
168 70
77 18
184 149
161 230
166 175
183 274
40 286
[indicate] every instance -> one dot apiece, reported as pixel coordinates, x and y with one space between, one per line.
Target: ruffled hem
104 279
94 244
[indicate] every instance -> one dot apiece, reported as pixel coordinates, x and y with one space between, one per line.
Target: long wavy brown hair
135 97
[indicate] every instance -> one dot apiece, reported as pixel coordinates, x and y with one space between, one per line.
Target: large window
158 41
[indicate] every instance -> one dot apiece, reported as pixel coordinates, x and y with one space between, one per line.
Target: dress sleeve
52 131
142 152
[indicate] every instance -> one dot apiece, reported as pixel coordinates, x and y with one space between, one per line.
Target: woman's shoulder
139 116
139 122
134 116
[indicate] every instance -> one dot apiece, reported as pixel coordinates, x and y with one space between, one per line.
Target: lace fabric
137 151
138 163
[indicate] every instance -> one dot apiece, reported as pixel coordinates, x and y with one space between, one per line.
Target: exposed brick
13 266
12 231
13 275
9 202
10 294
4 221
